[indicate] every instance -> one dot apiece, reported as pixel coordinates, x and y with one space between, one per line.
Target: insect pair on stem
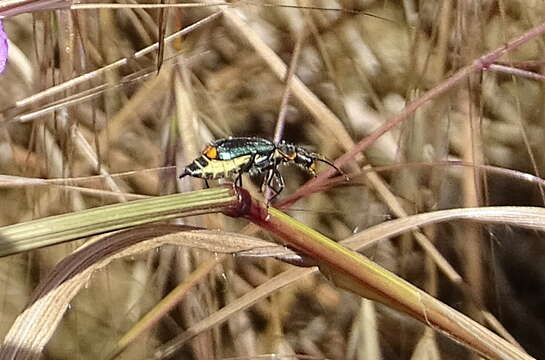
232 157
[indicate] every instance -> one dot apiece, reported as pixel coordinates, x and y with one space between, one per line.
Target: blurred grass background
213 84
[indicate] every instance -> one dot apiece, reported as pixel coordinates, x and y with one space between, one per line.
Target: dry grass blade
426 349
321 113
94 74
527 217
166 304
13 7
516 216
279 281
34 327
80 96
366 344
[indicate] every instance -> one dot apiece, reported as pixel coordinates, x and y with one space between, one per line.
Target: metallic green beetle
234 156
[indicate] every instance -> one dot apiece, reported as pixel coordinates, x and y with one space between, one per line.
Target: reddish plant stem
515 71
534 65
479 64
356 273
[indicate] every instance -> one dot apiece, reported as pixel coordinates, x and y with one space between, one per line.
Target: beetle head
298 155
304 158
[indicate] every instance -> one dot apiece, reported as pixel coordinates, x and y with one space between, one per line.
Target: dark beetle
233 156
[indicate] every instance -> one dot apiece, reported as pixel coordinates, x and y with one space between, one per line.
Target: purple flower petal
3 48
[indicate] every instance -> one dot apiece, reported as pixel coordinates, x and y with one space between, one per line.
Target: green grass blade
56 229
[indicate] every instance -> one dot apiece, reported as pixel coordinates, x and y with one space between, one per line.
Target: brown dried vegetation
360 63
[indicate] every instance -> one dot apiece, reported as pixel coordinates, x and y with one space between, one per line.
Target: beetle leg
250 163
275 175
245 168
207 184
280 179
267 181
268 184
269 167
238 180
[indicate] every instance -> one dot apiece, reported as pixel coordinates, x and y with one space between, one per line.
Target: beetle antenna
334 167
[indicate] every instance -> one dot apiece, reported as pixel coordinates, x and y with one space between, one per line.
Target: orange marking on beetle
312 168
211 152
286 155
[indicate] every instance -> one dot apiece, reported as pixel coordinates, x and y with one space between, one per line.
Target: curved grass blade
34 327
